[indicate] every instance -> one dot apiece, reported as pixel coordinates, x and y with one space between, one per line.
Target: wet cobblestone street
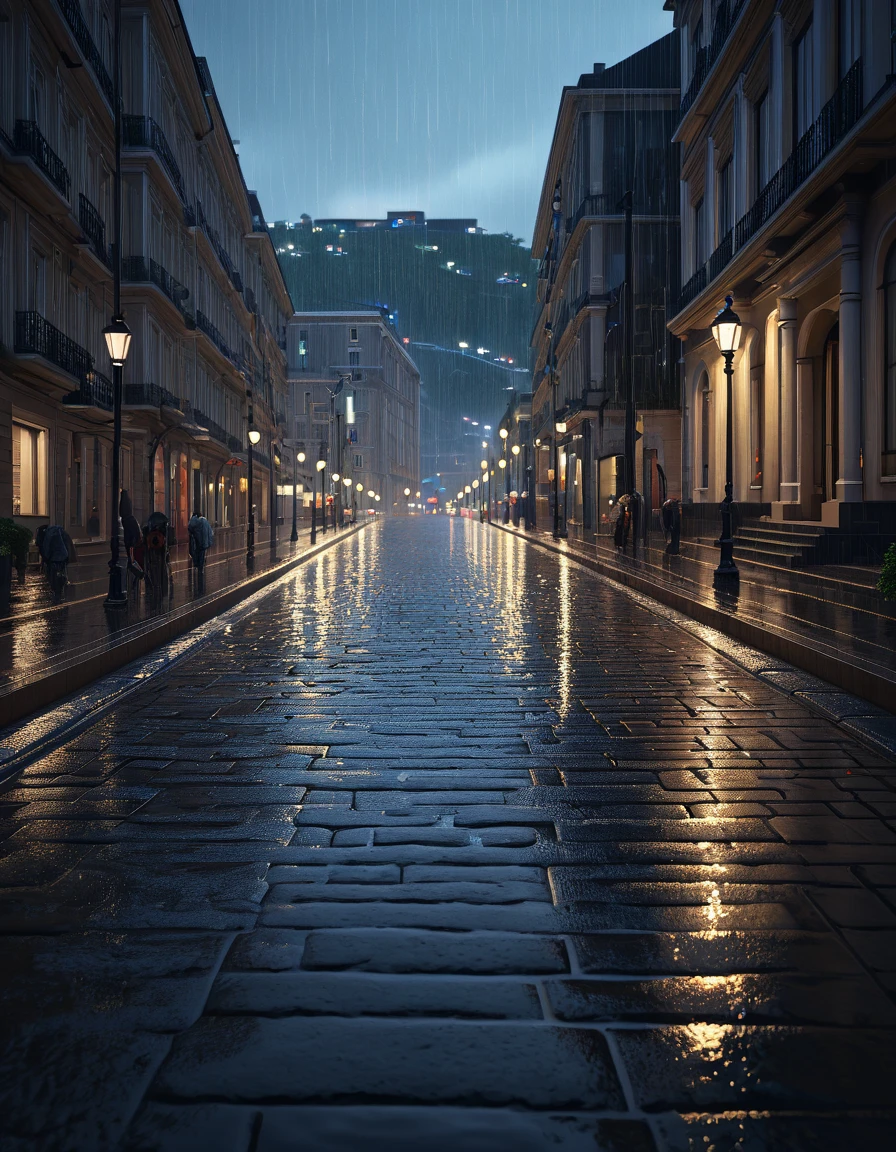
449 845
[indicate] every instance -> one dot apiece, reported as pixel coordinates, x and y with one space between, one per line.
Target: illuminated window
29 470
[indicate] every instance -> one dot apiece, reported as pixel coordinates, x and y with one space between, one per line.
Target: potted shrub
887 582
14 542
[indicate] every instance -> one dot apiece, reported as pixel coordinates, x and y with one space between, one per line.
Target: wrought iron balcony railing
144 132
94 228
38 336
95 392
211 426
150 396
205 325
220 251
30 141
71 10
727 15
138 270
838 117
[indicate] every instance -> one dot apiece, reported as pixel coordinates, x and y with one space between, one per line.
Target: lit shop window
29 470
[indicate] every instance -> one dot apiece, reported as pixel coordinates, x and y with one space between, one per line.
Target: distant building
201 287
788 180
397 219
355 402
613 134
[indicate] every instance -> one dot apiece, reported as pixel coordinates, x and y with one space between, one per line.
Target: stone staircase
788 544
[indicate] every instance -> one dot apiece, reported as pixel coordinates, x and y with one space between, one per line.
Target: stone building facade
355 402
788 189
613 134
201 287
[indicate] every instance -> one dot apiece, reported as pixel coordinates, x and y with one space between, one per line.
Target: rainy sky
353 107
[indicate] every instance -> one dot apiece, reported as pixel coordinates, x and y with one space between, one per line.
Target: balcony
212 427
71 10
29 141
838 117
95 392
137 270
37 336
144 132
598 204
726 17
150 396
94 228
220 251
205 325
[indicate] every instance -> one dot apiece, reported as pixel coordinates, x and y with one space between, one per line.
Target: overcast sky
353 107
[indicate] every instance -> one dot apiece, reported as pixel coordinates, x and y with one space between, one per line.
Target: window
699 235
303 350
803 99
696 44
357 460
353 335
354 357
29 470
890 356
762 138
849 34
724 192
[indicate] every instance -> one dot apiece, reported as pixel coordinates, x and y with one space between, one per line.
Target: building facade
355 402
613 135
201 287
788 187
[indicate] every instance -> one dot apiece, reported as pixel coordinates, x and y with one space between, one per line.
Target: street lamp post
320 466
275 500
517 507
297 458
117 336
726 329
359 488
254 437
559 529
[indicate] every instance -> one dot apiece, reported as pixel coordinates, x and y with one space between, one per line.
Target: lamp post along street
275 500
117 334
726 329
254 436
296 457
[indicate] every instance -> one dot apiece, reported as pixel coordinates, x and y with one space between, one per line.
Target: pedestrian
623 523
132 536
672 525
201 536
56 551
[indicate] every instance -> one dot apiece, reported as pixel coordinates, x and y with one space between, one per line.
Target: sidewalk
829 620
40 641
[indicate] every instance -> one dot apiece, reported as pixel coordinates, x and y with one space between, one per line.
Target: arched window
889 444
704 431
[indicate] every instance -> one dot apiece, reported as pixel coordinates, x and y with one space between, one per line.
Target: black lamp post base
117 596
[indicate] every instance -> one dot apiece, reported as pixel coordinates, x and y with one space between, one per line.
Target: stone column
849 473
789 488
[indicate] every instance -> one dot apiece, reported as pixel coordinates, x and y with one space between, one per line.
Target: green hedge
887 581
14 540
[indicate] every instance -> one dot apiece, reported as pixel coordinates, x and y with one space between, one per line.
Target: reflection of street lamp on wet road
254 437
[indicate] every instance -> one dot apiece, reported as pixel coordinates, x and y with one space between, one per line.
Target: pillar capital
786 310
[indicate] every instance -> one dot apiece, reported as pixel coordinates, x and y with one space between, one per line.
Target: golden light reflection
564 639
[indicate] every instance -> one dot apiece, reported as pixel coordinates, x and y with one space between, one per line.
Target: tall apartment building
355 402
201 287
788 123
613 134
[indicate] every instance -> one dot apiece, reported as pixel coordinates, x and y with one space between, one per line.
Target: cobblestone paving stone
450 846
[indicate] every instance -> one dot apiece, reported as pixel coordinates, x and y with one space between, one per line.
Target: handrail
36 335
71 10
29 141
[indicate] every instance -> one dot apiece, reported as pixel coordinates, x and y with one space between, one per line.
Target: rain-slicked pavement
451 844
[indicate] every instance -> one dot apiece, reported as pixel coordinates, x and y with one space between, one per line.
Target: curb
863 704
112 668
